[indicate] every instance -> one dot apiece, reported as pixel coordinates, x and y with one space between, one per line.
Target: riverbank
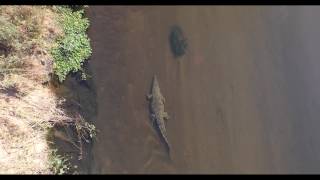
38 113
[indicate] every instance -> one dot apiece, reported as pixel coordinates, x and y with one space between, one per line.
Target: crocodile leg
163 99
166 116
149 96
153 119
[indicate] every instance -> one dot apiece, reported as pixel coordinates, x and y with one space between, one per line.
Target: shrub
9 40
8 33
59 164
74 47
20 28
10 63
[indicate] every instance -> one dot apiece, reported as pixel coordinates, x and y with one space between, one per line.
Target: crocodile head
155 86
155 81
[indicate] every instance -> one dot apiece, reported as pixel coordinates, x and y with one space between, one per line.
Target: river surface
245 98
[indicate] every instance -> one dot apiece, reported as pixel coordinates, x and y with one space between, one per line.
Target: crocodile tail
168 147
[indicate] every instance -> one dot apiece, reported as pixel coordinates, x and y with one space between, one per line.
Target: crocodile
158 115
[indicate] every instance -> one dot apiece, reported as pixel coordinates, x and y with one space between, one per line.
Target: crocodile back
157 108
157 104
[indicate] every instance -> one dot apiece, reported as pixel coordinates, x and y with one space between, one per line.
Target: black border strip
160 2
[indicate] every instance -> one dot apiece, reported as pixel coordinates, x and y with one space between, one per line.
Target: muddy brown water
244 99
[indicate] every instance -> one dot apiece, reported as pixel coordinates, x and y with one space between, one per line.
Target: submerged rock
178 42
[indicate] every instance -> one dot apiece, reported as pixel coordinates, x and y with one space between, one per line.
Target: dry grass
27 108
27 111
37 32
23 123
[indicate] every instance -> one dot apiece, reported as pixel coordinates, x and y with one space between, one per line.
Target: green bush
74 47
59 164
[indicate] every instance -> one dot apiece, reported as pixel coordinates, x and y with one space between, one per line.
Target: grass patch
8 35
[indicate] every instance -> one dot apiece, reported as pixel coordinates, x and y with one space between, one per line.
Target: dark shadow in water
178 42
80 101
